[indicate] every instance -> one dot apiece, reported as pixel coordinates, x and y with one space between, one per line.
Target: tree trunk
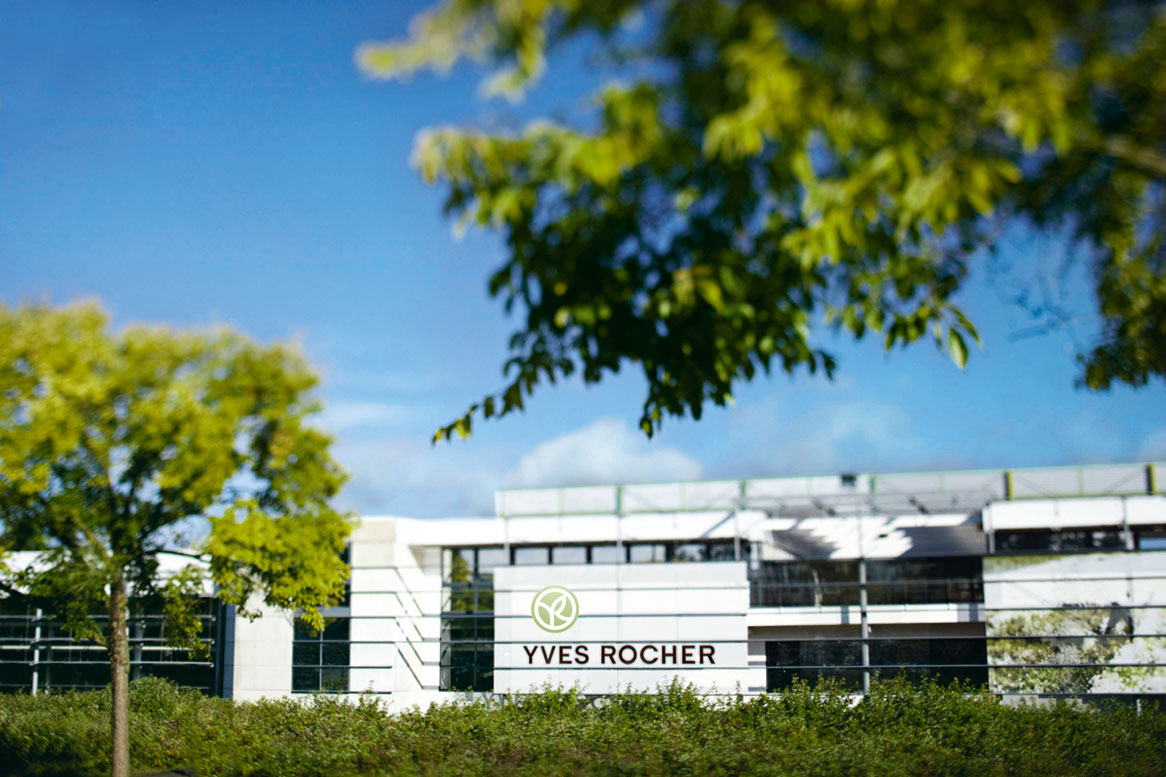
119 670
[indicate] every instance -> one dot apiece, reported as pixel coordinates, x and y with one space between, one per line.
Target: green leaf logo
554 609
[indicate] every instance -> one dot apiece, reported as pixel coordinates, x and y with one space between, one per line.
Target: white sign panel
607 627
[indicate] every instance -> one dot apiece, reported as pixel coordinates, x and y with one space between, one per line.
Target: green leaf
957 348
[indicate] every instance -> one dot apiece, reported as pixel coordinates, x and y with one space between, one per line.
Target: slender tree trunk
119 668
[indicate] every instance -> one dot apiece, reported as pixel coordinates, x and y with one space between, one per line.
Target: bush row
898 729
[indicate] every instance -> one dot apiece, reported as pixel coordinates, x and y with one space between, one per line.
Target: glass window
336 629
1075 541
335 654
918 658
569 554
466 651
805 584
491 558
691 551
945 659
527 556
809 660
606 554
334 680
925 580
459 565
306 653
1152 540
305 678
647 552
726 551
320 658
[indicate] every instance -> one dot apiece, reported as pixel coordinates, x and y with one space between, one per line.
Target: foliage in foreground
758 170
898 730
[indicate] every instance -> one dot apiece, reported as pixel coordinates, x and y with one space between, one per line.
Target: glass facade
37 651
467 618
825 583
942 658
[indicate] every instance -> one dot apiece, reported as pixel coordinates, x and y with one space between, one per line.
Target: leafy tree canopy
767 167
111 444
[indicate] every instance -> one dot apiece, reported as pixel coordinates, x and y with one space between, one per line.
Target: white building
1048 582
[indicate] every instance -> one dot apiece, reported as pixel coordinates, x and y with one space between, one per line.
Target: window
489 559
467 618
1067 541
727 551
943 658
805 584
1152 539
467 652
692 551
320 658
526 556
825 583
647 552
606 554
569 554
808 660
956 579
464 564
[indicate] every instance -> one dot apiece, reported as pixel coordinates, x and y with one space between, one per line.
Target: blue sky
200 163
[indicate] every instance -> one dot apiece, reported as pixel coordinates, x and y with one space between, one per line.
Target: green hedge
898 730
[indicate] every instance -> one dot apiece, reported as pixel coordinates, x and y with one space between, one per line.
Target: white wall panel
626 607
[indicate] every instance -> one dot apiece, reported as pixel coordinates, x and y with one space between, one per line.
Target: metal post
136 650
36 649
1126 534
736 537
737 520
865 625
619 552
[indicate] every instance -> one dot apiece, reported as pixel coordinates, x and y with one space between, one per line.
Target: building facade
1045 582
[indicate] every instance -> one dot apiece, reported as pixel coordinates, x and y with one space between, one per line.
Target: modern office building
1048 582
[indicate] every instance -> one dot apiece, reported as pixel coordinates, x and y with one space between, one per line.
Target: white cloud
607 451
407 476
851 436
345 416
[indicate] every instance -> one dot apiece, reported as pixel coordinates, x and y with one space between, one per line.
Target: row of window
483 560
463 563
1077 540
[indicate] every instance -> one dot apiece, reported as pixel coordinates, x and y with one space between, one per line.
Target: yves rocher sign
605 628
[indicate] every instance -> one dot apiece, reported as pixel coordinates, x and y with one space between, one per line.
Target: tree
110 444
767 168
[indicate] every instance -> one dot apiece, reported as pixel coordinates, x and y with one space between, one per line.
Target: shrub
899 729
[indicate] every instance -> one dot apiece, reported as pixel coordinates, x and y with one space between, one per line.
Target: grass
898 730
